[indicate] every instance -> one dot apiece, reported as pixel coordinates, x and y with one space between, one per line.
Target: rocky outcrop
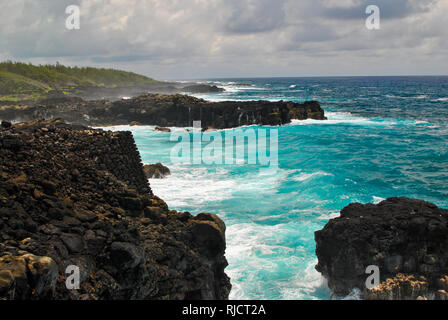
406 239
19 274
156 171
160 129
400 287
166 111
202 88
74 196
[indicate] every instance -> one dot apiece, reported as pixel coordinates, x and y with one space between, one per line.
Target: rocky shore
406 239
165 111
74 196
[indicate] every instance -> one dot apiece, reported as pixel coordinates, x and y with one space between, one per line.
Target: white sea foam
231 88
377 200
391 96
421 96
441 99
196 186
349 118
305 284
307 176
330 216
248 240
193 186
355 294
220 98
337 118
235 87
265 218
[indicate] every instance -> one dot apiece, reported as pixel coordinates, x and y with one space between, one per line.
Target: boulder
209 232
6 124
126 256
202 88
156 171
160 129
407 239
74 243
27 277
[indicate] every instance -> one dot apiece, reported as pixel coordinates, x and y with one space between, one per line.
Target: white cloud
208 38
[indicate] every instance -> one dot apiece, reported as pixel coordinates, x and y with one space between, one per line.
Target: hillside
21 81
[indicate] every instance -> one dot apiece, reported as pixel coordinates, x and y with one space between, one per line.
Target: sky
200 39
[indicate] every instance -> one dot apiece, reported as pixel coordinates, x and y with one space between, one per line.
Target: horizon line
298 77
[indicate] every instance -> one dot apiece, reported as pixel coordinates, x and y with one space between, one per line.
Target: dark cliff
166 111
406 238
71 195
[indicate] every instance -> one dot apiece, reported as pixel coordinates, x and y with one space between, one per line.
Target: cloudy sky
193 39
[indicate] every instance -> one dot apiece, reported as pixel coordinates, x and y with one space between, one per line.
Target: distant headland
24 82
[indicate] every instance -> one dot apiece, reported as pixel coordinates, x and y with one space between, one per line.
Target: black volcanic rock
406 238
160 129
6 124
156 171
166 111
72 195
202 88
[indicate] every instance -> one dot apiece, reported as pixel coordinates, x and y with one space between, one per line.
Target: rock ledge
71 195
406 238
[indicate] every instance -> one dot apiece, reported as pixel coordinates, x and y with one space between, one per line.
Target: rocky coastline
164 111
74 196
406 239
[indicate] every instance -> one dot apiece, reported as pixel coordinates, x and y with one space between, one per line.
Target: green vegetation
19 81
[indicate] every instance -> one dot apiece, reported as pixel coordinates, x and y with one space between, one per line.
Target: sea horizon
303 77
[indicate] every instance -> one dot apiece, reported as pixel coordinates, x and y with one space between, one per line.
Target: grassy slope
25 81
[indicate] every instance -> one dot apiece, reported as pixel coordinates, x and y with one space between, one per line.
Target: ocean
385 137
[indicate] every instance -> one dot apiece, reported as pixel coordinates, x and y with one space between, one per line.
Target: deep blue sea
385 137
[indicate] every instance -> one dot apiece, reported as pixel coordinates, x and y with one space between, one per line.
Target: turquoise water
384 137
